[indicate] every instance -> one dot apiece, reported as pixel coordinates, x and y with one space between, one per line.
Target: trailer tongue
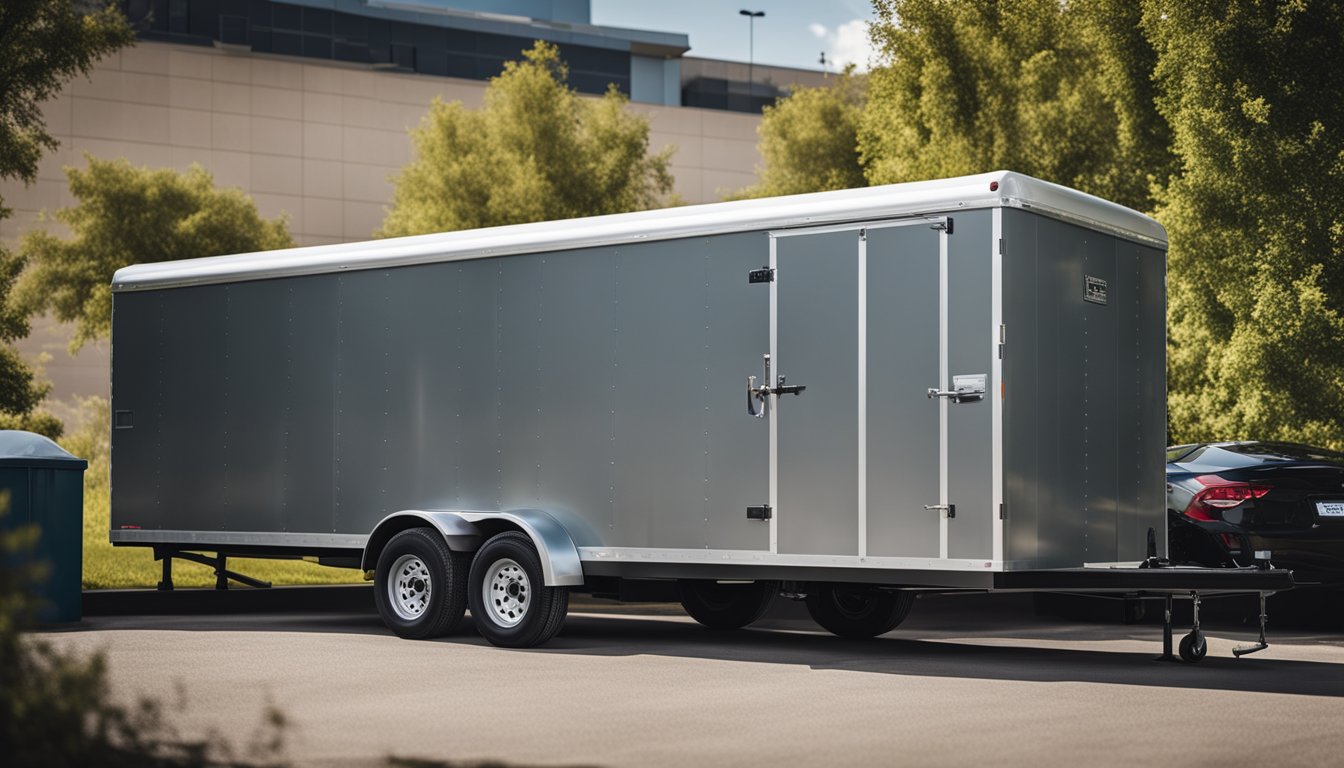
955 384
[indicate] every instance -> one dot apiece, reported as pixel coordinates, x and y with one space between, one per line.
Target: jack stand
219 563
1167 655
1242 650
166 581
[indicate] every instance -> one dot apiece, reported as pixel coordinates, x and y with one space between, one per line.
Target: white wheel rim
507 593
409 587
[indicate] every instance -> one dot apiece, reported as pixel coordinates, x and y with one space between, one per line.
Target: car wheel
420 585
726 606
858 612
510 602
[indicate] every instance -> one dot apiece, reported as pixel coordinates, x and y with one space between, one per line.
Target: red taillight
1220 494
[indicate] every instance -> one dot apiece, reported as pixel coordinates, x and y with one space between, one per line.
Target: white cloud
849 43
846 44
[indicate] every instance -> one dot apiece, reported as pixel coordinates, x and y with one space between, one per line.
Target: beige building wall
314 140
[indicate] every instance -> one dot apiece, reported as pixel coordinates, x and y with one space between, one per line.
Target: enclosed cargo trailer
955 384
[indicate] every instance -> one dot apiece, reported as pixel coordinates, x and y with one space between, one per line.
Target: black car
1227 501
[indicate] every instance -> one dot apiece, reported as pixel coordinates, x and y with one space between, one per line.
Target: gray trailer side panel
1083 420
567 382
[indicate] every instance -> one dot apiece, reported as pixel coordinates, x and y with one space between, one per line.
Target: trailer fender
464 531
560 565
460 535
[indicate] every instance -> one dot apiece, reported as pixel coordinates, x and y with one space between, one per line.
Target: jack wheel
1194 647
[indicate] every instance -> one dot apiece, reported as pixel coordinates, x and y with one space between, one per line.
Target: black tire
726 606
1194 647
523 612
858 612
436 608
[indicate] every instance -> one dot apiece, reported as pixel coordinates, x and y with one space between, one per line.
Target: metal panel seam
774 418
943 381
863 393
997 347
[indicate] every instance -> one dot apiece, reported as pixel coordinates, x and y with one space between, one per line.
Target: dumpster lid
25 449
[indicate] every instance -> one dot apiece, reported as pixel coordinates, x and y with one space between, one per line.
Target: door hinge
759 513
945 225
762 275
1000 246
1003 513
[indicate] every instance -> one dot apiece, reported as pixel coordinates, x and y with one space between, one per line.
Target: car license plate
1330 508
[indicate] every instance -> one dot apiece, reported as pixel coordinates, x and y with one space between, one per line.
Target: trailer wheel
857 612
420 585
726 606
510 602
1194 647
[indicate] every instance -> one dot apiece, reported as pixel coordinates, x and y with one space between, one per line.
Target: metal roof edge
944 196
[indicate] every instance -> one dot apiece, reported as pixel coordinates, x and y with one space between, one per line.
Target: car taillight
1220 494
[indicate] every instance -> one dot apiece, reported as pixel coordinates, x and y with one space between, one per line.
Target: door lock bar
758 398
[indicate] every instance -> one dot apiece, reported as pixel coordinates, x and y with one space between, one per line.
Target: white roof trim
944 196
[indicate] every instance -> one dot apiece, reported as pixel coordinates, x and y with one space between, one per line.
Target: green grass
109 567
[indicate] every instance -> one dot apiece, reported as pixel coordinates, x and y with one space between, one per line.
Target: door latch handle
966 388
951 509
758 399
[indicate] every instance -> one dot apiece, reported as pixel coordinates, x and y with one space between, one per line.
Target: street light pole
752 16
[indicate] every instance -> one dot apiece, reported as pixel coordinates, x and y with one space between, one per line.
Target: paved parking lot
964 681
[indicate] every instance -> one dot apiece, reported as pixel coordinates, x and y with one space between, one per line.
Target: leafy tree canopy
1056 90
809 140
1256 218
43 43
535 151
127 215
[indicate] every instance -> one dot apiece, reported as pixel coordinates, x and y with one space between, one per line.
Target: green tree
809 140
127 215
43 43
535 151
1056 90
1256 218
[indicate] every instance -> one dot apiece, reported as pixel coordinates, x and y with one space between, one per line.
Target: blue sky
792 34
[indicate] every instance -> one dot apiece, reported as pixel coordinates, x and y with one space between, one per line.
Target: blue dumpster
45 487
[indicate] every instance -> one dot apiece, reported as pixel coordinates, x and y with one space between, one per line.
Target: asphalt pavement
966 680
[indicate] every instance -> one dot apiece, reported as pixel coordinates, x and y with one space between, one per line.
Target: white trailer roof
943 196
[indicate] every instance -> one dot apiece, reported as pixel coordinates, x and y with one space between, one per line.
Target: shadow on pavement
955 636
897 655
